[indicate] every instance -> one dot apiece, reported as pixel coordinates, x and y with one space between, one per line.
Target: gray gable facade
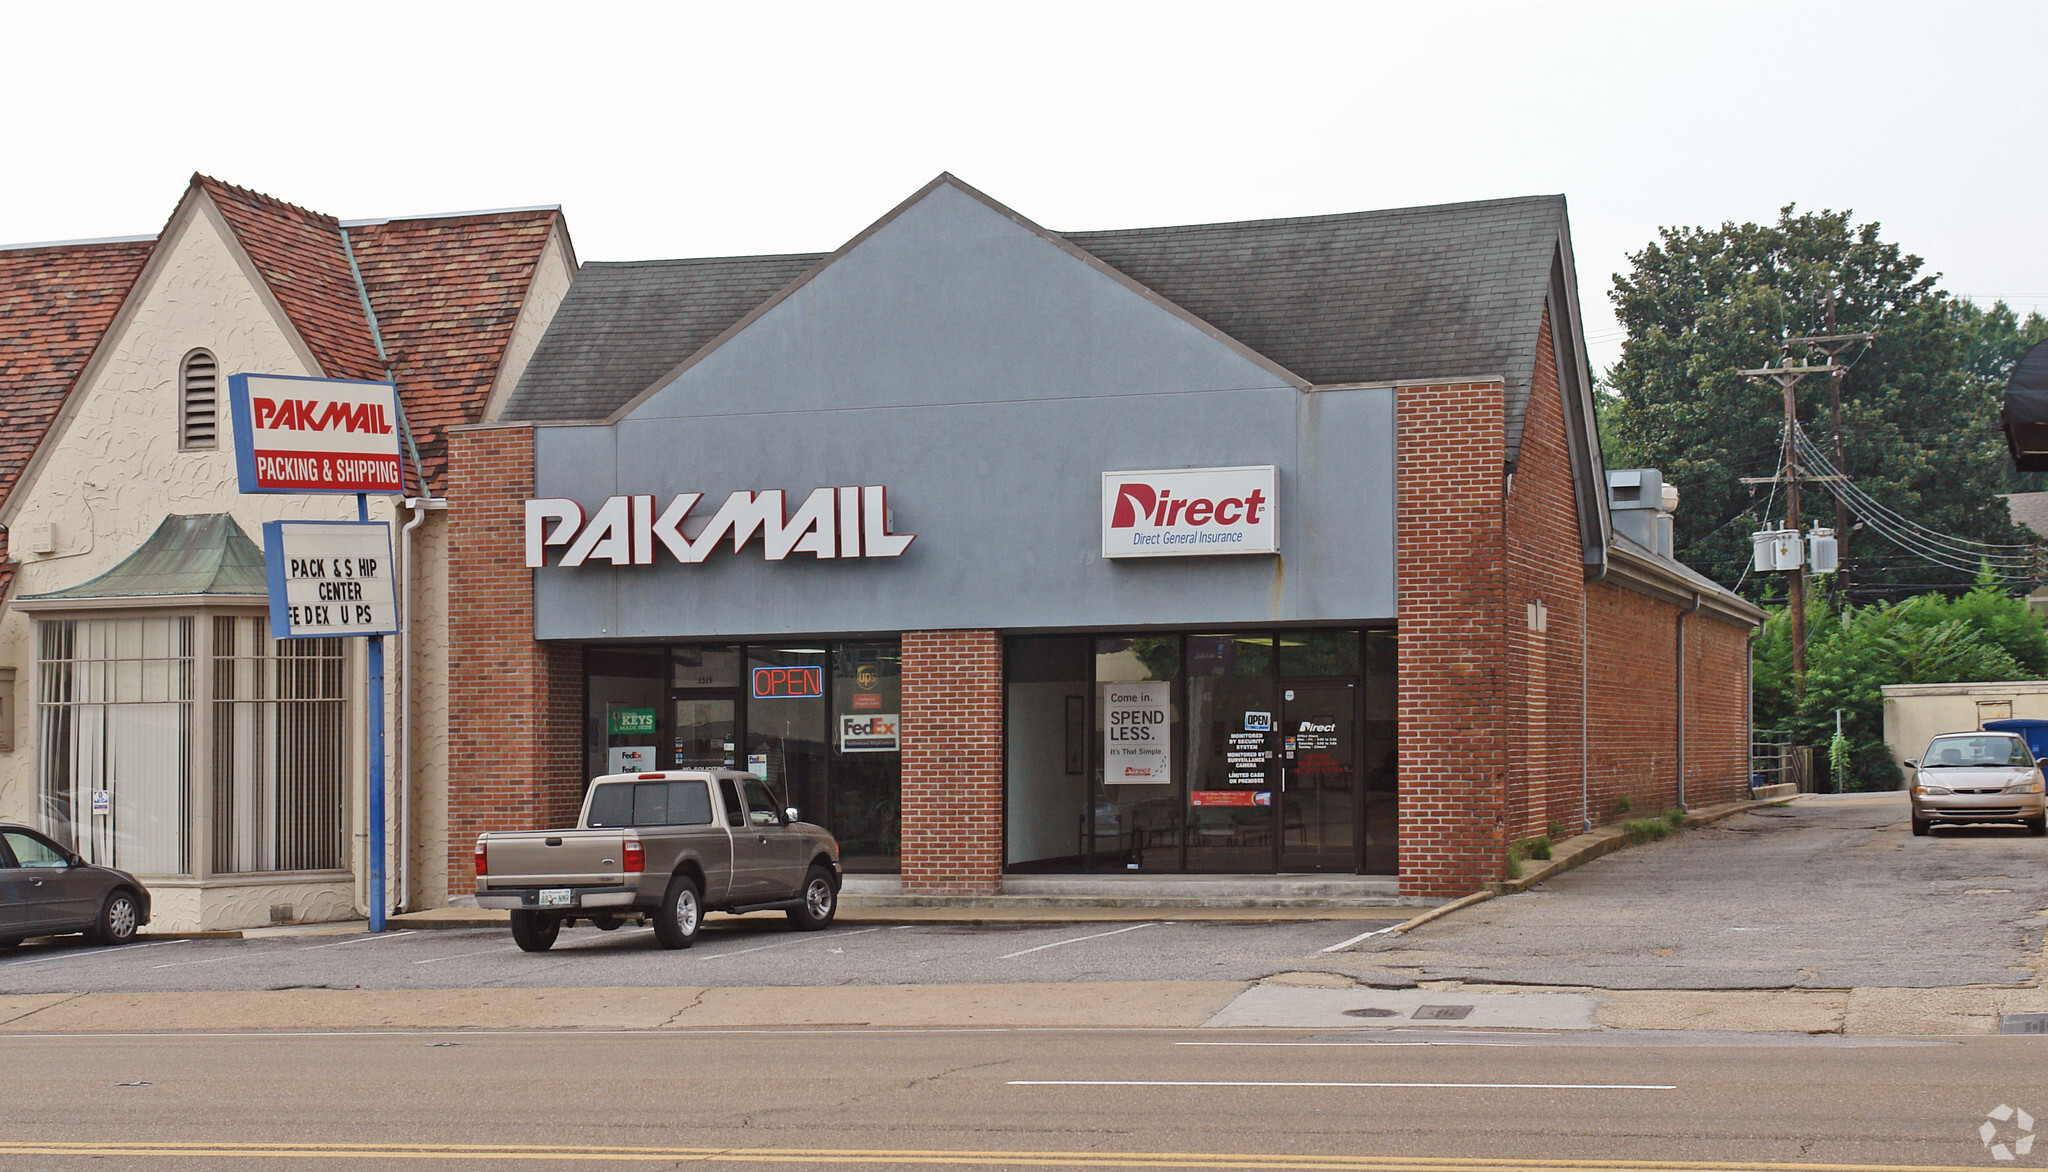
1376 297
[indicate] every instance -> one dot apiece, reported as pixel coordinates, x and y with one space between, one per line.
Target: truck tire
820 902
680 914
534 932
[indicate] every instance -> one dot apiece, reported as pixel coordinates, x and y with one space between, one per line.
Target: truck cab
662 848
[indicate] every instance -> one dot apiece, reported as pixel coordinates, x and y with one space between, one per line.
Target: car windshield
1977 753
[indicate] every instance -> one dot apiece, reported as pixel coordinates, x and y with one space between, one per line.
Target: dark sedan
46 890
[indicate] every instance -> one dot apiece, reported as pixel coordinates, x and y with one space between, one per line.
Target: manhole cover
1368 1013
2023 1023
1442 1013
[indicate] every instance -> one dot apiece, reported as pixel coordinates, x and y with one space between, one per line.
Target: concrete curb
983 914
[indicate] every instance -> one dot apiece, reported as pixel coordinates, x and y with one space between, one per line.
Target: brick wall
1632 707
1716 711
1545 566
1451 553
515 707
952 762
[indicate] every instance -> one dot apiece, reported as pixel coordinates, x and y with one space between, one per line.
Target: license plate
557 897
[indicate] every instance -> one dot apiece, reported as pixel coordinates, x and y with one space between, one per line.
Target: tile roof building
116 462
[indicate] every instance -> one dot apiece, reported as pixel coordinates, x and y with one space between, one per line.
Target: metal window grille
114 703
199 398
279 719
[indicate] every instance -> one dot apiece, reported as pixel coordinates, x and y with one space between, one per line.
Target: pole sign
314 434
1190 512
329 578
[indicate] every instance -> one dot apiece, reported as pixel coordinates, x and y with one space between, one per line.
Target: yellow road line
1254 1162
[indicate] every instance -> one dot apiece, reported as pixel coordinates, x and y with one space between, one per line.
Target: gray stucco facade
987 373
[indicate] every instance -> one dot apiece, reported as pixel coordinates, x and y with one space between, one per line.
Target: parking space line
103 952
363 940
466 955
1341 945
178 964
1076 940
787 943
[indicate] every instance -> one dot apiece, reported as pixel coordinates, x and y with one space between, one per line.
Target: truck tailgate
554 858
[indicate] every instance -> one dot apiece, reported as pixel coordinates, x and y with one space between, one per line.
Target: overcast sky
708 129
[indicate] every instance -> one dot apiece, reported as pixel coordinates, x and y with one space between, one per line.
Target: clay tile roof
55 303
448 291
299 254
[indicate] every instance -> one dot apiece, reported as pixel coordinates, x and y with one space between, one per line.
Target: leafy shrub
1623 804
1641 830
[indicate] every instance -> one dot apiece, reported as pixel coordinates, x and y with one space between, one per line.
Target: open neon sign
779 683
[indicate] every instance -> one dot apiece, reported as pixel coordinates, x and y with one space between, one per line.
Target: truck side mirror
789 814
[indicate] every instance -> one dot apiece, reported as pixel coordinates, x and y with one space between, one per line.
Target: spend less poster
1137 743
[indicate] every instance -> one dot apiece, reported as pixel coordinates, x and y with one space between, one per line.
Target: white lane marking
1341 945
178 964
362 940
1425 1086
93 955
6 1038
1352 1043
786 944
1075 940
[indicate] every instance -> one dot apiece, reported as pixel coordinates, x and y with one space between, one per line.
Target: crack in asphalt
38 1009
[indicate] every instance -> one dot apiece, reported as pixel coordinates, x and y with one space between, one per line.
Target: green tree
1919 407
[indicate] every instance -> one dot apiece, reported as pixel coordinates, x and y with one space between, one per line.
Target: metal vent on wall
200 400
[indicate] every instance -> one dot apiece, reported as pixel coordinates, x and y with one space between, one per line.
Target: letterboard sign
330 578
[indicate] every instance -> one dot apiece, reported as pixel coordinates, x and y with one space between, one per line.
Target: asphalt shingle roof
625 324
1447 291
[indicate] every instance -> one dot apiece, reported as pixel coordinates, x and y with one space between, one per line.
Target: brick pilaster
515 706
952 763
1451 553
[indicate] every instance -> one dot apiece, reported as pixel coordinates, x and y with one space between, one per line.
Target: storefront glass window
1135 820
1233 750
114 700
623 699
1045 733
865 811
1318 654
706 667
279 720
786 723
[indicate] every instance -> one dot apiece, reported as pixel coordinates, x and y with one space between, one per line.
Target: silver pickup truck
661 848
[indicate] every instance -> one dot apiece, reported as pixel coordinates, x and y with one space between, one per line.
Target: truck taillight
636 855
483 863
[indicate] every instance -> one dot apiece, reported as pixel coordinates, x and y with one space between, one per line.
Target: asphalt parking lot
1829 892
762 950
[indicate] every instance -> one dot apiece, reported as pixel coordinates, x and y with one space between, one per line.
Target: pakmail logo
1189 512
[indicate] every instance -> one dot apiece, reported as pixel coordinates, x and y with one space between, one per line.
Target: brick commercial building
1255 549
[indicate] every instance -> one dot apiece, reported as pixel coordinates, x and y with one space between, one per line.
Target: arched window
198 402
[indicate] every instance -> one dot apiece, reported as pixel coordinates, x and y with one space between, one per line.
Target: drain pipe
1682 617
420 506
1585 703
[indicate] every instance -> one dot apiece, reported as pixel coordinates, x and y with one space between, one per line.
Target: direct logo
1138 502
1138 772
1189 512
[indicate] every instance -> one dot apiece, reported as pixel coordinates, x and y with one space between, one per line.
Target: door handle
39 882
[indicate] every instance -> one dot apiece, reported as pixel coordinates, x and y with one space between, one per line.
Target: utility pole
1830 346
1787 376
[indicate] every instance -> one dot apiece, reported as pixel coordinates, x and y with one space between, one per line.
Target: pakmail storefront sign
1186 512
850 522
314 434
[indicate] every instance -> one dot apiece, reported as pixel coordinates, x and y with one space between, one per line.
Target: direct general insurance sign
314 434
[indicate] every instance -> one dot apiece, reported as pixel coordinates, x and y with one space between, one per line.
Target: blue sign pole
376 666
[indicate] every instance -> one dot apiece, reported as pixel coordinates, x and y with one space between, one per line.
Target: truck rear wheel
820 902
534 932
680 913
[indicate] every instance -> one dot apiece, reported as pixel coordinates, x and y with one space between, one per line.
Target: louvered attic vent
200 399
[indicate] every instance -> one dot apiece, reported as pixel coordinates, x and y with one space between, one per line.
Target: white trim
178 603
382 220
85 243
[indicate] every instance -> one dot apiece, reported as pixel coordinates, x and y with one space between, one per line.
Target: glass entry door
704 729
1318 801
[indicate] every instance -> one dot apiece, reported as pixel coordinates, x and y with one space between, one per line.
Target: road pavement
1085 1099
1830 892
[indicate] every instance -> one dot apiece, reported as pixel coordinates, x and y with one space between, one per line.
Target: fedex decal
849 522
314 434
1186 512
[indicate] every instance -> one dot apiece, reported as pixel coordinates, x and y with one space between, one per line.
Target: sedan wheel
118 918
820 901
1921 826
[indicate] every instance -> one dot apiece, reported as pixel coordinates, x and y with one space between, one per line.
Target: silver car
1978 777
